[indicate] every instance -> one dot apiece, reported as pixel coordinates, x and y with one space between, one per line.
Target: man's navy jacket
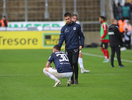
72 34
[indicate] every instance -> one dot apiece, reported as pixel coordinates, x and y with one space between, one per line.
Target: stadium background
47 12
50 11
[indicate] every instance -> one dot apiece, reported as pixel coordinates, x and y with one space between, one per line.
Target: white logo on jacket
66 30
74 28
111 33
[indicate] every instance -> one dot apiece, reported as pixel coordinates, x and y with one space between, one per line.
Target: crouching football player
62 68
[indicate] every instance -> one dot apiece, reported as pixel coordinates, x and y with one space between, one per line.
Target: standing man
63 68
4 22
71 33
104 38
115 41
80 60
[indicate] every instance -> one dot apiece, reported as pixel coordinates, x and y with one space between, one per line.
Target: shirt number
63 57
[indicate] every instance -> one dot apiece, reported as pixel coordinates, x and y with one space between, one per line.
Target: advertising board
29 39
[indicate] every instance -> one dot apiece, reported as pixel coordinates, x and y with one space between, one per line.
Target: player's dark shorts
73 56
104 45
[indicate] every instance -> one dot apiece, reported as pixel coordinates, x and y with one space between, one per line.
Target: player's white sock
80 61
50 75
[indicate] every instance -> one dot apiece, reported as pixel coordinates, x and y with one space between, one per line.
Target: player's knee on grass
45 72
46 69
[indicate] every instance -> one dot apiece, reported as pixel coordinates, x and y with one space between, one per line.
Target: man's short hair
102 17
67 14
57 47
4 16
122 18
113 20
74 15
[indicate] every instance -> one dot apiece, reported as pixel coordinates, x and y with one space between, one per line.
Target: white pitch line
26 75
103 57
4 75
103 74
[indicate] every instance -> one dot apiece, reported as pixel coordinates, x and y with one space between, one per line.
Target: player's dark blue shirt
61 62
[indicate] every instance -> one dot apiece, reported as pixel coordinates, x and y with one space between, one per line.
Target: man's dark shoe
76 81
121 66
72 81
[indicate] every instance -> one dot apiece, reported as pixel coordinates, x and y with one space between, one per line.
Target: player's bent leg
64 75
48 72
69 81
67 75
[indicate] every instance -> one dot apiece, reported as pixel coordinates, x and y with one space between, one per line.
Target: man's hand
80 47
47 64
101 39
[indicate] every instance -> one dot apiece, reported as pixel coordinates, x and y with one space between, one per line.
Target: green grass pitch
22 77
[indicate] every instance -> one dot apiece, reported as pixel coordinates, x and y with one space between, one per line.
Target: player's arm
48 64
51 58
118 33
81 38
105 31
61 39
